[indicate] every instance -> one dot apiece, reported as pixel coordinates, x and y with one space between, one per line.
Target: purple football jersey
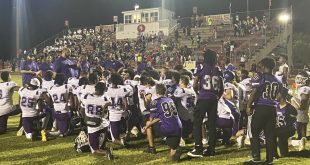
286 116
210 81
44 67
61 65
268 87
29 66
85 66
165 109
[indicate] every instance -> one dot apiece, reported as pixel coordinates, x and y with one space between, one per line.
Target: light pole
247 8
270 3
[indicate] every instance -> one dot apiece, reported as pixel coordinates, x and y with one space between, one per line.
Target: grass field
17 150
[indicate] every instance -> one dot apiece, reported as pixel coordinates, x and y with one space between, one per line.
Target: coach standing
112 64
63 65
208 85
28 69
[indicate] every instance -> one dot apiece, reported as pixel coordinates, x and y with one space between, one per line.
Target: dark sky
46 17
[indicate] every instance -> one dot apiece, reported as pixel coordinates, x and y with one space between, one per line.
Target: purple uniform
61 65
29 66
286 116
140 67
171 89
112 64
268 87
44 67
85 66
165 109
210 81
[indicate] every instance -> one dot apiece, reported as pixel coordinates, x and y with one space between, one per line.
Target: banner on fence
219 19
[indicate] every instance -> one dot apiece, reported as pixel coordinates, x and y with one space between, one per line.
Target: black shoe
207 152
109 153
195 153
253 161
150 150
268 162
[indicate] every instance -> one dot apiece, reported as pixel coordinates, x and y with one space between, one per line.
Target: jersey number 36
211 82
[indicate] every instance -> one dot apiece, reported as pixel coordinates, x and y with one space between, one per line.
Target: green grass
17 150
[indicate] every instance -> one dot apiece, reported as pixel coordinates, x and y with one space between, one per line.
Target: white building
147 22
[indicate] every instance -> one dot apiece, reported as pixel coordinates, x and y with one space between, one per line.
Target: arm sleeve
153 109
179 92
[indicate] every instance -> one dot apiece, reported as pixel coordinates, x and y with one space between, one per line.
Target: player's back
87 89
210 80
47 84
116 96
6 100
94 108
165 109
28 101
73 81
268 87
6 93
59 94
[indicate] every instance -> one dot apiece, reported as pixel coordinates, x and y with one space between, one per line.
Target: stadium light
284 17
137 6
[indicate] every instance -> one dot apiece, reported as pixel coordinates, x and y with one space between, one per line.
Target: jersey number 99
169 109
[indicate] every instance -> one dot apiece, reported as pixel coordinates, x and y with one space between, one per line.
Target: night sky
46 17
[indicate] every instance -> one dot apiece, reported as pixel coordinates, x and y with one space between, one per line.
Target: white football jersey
116 96
28 101
141 91
73 81
188 101
59 96
130 94
187 96
47 84
6 93
94 107
151 91
223 110
86 89
302 90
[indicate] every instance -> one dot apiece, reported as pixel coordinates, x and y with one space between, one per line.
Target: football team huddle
207 106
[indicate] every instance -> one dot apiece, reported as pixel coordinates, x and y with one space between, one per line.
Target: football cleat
302 144
109 153
43 136
195 154
124 142
20 132
253 161
240 141
29 136
182 143
204 141
207 152
150 150
54 129
135 131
